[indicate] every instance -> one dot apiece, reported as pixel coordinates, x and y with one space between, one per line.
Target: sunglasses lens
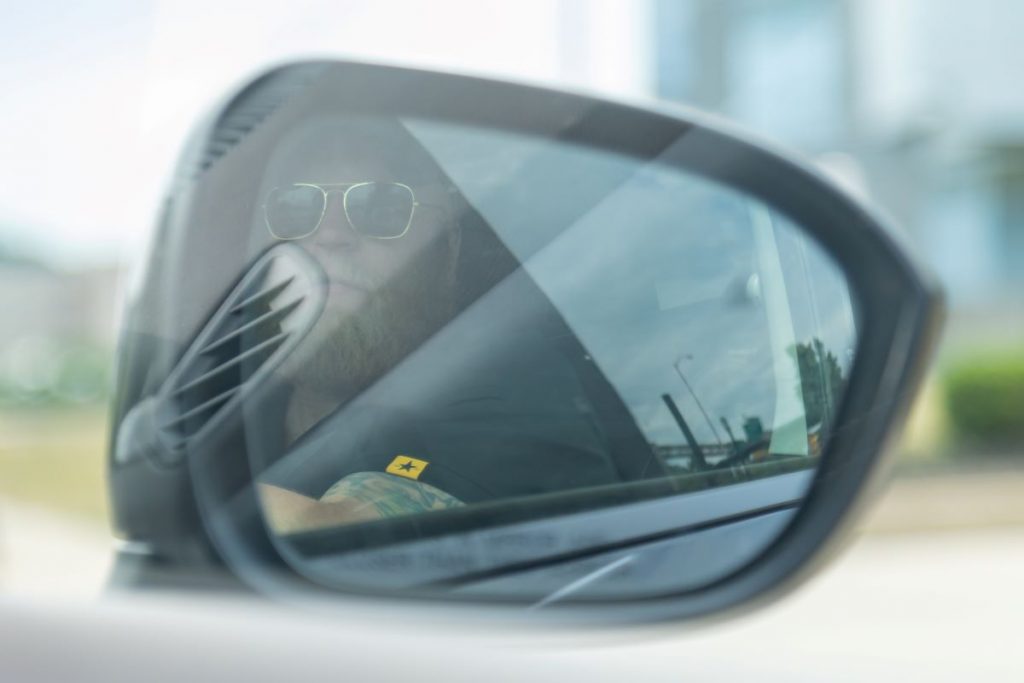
381 210
293 212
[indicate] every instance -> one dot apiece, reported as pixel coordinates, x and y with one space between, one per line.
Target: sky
101 95
73 79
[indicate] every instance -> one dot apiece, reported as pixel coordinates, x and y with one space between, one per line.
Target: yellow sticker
404 466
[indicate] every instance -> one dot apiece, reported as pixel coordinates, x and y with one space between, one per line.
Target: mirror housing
200 492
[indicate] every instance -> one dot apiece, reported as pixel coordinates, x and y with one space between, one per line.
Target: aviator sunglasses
378 210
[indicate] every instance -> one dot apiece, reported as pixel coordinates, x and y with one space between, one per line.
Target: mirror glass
542 371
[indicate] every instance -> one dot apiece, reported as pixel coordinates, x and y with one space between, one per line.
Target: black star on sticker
407 466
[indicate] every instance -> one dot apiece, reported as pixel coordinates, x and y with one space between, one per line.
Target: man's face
358 265
384 295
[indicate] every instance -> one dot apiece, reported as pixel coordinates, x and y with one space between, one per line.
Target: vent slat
274 341
260 297
249 109
201 408
275 315
220 146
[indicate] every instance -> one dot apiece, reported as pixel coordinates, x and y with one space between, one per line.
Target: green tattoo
391 496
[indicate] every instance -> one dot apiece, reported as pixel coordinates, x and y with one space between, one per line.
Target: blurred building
915 103
42 303
57 331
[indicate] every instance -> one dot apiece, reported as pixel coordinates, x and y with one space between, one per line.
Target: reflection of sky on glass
656 272
605 273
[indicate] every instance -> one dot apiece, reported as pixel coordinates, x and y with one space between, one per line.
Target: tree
821 381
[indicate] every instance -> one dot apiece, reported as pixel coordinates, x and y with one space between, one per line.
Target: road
941 605
51 556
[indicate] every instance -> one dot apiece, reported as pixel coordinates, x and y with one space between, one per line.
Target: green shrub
985 397
56 374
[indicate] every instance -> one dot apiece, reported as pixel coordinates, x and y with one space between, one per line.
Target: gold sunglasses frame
326 189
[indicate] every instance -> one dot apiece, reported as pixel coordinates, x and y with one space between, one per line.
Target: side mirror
428 336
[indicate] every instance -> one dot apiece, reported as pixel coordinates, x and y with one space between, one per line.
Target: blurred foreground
54 535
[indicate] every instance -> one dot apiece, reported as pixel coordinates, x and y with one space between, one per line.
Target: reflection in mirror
543 371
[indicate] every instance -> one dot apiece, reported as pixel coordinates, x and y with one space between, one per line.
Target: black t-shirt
515 421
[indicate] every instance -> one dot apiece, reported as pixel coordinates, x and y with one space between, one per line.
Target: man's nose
335 229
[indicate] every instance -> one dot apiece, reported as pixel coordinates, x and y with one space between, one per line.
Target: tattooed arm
359 497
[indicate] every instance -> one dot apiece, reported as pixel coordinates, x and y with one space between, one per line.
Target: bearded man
397 406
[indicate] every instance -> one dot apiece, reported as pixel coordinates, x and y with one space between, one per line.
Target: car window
564 329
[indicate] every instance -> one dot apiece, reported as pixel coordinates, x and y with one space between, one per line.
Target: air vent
263 317
250 107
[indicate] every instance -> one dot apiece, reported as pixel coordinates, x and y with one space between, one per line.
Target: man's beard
350 350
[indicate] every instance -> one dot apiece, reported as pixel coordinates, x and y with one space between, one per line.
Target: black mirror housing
203 488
